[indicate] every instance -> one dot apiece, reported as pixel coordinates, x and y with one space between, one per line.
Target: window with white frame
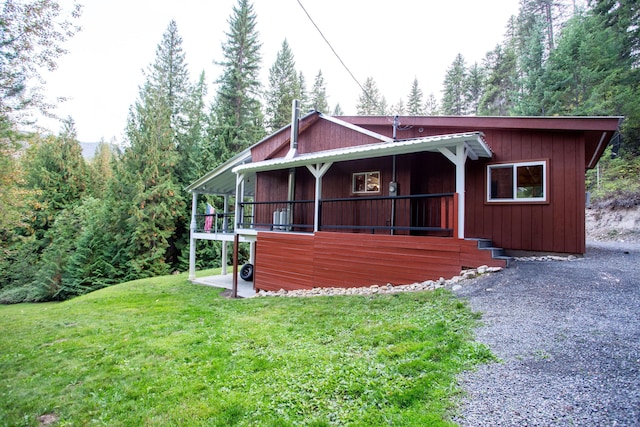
366 182
517 182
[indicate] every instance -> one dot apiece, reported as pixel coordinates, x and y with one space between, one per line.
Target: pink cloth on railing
208 219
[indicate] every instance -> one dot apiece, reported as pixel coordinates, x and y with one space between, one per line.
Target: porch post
318 172
458 158
225 228
239 199
461 159
192 242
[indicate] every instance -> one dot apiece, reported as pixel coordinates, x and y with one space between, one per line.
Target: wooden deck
328 259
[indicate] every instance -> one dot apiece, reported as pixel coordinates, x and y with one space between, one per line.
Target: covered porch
297 207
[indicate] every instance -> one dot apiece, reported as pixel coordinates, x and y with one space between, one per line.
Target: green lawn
163 352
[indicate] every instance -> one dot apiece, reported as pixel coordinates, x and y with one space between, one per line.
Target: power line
336 54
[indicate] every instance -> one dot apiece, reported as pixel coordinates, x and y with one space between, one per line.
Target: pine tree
531 58
14 194
474 87
56 173
193 157
415 104
399 109
151 193
284 87
623 17
100 169
501 82
453 99
236 119
319 100
431 107
304 95
337 111
371 102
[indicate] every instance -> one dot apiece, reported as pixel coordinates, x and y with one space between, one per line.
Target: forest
70 225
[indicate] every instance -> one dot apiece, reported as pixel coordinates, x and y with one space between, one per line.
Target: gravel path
568 337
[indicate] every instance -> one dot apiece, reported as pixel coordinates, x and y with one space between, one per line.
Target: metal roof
222 180
474 142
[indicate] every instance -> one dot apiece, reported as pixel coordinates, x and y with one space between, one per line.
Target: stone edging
428 285
548 258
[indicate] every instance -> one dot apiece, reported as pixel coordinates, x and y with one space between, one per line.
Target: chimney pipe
295 114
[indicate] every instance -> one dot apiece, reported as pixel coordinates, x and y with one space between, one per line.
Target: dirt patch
613 224
48 419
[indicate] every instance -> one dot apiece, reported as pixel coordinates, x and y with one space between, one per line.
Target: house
357 201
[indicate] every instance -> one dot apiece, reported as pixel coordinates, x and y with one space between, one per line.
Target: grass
161 352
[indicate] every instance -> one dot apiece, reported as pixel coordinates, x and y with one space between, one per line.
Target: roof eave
432 143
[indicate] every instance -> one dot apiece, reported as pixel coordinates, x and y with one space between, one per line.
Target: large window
366 182
517 182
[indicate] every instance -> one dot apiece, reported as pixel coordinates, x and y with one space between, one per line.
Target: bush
616 181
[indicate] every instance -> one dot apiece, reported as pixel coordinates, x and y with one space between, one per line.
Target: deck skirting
329 259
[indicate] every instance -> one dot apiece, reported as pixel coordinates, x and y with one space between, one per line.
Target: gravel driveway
568 337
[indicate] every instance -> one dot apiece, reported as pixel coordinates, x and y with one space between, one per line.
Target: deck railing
215 223
426 214
294 215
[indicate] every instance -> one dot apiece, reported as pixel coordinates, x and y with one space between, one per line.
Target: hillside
611 221
161 351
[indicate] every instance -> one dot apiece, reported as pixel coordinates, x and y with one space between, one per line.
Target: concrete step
496 253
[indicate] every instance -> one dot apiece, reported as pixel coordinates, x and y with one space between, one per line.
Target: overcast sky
390 41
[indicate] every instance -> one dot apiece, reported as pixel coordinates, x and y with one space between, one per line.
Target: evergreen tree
55 175
501 82
399 109
237 120
284 87
193 157
454 91
151 197
305 102
337 111
56 171
474 87
415 104
623 17
93 263
370 101
100 170
14 194
431 107
548 13
168 76
586 75
531 58
319 94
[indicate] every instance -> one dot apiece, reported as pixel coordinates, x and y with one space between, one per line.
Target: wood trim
548 185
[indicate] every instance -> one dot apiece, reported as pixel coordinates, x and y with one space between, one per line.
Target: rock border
428 285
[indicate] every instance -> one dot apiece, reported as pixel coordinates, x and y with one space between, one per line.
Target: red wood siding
284 261
327 259
557 226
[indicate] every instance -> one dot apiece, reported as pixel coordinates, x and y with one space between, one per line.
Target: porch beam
192 231
318 172
469 153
